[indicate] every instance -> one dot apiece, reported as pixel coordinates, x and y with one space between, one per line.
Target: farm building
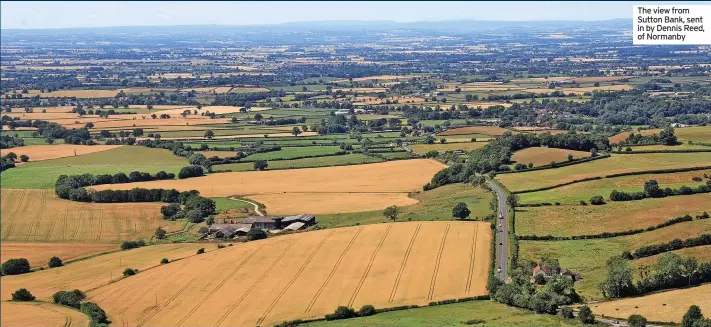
264 222
231 228
547 273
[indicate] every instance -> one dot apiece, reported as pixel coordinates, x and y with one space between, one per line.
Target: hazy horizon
54 15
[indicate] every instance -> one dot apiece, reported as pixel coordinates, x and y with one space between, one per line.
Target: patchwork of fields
307 275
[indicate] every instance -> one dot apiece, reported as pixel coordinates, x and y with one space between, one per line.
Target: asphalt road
502 239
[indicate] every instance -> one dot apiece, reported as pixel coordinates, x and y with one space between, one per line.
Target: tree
55 262
160 233
342 312
512 200
24 158
460 211
296 131
258 117
129 272
391 212
667 136
209 134
94 312
597 200
256 234
366 310
619 278
570 157
15 266
12 156
170 210
585 315
69 298
636 321
692 316
164 261
22 295
567 313
194 216
652 189
200 251
137 132
260 164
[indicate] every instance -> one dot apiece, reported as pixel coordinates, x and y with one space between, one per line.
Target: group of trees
75 299
666 137
193 207
344 312
10 141
73 187
695 318
653 190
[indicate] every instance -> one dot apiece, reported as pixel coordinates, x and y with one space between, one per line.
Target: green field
347 159
620 163
494 315
589 257
434 204
572 194
43 174
295 152
228 204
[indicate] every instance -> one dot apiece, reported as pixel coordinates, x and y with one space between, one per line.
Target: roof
229 227
303 218
260 219
295 226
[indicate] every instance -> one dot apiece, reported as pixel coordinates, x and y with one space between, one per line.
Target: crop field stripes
404 263
130 304
254 285
218 287
294 279
7 226
436 267
472 256
370 265
55 221
100 224
35 222
158 308
333 271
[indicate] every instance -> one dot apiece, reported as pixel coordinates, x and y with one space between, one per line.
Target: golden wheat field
667 306
38 254
307 275
37 215
331 203
487 130
33 314
401 176
543 156
47 152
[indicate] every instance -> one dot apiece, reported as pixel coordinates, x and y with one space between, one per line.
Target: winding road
502 232
256 207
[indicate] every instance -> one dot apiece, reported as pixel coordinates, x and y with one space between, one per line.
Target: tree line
653 190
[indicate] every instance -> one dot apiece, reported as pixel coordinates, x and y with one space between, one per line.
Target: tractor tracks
370 265
404 263
436 268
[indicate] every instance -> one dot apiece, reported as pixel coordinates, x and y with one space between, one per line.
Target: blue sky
98 14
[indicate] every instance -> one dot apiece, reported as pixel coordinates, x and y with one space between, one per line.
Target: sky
67 14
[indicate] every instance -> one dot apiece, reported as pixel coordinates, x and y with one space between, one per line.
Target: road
502 234
256 207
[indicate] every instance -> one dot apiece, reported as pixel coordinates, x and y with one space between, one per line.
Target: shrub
692 316
164 261
636 321
170 210
194 216
597 200
201 251
207 206
260 164
160 233
460 211
22 295
15 266
585 315
129 272
94 312
256 234
474 321
69 298
341 312
24 158
191 171
567 312
127 245
366 310
55 262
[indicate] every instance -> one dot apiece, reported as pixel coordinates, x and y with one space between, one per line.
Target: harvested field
101 270
38 254
245 136
47 152
543 156
331 203
484 104
400 176
568 220
148 122
464 146
698 134
379 77
284 153
32 314
307 275
361 89
327 161
667 306
36 215
80 94
486 130
620 163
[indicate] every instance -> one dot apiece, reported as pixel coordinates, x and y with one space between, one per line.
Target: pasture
464 146
697 134
38 254
37 215
94 272
539 156
568 220
669 306
307 275
44 174
485 130
284 153
32 314
400 176
47 152
620 163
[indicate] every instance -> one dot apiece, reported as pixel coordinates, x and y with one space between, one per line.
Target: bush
22 295
194 216
24 158
474 321
567 312
366 310
207 206
94 312
127 245
129 272
597 200
256 234
69 298
585 315
460 211
170 210
191 171
15 266
55 262
201 251
341 312
636 321
260 164
164 261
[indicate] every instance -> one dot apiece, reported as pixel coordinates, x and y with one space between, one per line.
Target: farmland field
91 273
589 257
47 152
17 314
327 161
568 220
539 156
486 130
330 203
669 306
284 153
384 265
700 134
124 159
38 254
37 215
401 176
616 164
573 193
424 148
